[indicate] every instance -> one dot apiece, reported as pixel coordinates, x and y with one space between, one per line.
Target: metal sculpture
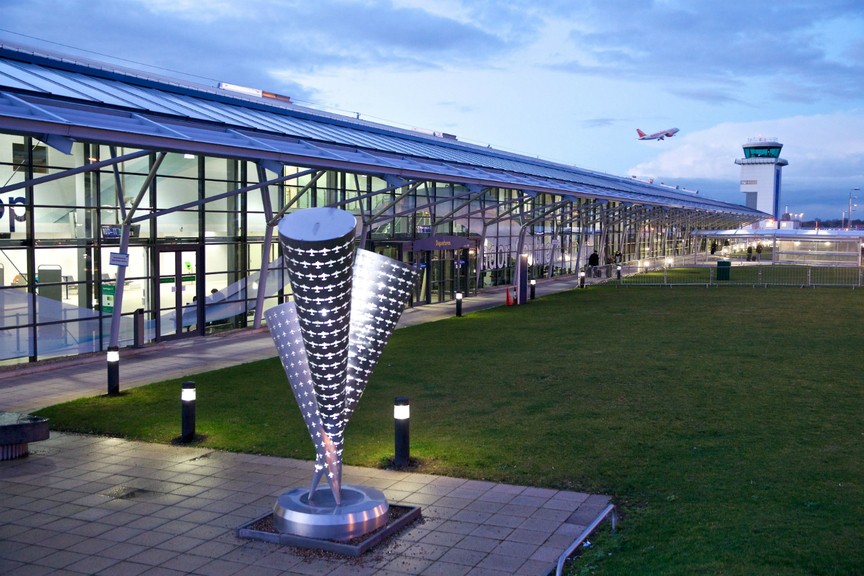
346 306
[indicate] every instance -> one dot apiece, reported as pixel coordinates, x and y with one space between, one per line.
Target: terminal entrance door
179 292
443 275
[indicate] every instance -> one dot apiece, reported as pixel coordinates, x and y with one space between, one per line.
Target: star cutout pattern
382 287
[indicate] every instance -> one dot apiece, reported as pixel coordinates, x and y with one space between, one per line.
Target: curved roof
49 94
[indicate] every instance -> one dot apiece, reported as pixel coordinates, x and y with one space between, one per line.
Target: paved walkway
90 505
33 387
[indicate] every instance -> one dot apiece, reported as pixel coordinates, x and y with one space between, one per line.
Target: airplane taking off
657 135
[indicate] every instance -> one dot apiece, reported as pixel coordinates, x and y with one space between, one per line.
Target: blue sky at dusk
563 80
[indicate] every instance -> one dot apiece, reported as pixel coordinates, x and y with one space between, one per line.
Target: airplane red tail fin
640 133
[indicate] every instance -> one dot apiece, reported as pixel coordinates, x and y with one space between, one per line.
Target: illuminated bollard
113 370
401 419
187 400
458 304
581 279
533 286
619 273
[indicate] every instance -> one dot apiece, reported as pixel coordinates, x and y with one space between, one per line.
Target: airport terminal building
184 183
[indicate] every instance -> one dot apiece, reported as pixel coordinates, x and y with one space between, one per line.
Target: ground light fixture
581 279
401 420
187 400
619 272
533 286
458 304
113 370
669 262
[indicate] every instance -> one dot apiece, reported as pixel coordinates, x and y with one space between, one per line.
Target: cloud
598 122
258 44
724 43
825 154
707 95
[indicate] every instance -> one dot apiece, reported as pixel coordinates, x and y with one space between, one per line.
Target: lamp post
458 304
187 400
113 370
401 419
533 286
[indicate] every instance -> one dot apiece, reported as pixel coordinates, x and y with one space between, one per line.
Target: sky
564 80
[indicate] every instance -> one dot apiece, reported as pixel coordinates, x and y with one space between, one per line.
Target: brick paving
109 507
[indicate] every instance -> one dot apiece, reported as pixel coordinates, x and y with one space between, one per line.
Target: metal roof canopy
60 101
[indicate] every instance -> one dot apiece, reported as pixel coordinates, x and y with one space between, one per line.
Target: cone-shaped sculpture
330 339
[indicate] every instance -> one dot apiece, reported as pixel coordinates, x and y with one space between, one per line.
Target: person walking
713 247
618 257
593 262
749 252
759 252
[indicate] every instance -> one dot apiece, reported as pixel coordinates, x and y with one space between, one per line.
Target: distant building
760 176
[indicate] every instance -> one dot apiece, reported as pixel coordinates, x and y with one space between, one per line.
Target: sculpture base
363 510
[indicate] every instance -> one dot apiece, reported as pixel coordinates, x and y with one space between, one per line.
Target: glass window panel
7 143
256 226
63 223
138 165
179 165
172 192
13 267
180 224
221 169
131 185
13 214
221 225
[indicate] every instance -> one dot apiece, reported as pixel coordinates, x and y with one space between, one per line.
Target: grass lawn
725 422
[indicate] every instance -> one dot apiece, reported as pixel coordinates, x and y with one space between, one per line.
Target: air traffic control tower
760 175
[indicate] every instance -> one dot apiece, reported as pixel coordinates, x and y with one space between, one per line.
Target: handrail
584 535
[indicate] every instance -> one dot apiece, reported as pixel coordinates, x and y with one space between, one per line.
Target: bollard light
581 279
401 419
187 401
458 304
533 284
113 370
619 272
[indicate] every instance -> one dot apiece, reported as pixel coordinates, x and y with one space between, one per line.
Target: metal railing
578 542
742 275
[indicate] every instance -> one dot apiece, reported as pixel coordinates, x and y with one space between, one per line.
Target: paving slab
124 533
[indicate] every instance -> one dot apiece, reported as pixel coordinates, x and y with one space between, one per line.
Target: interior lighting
189 156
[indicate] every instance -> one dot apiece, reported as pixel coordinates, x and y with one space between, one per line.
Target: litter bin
724 267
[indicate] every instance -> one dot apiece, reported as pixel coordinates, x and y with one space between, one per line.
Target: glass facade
196 270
